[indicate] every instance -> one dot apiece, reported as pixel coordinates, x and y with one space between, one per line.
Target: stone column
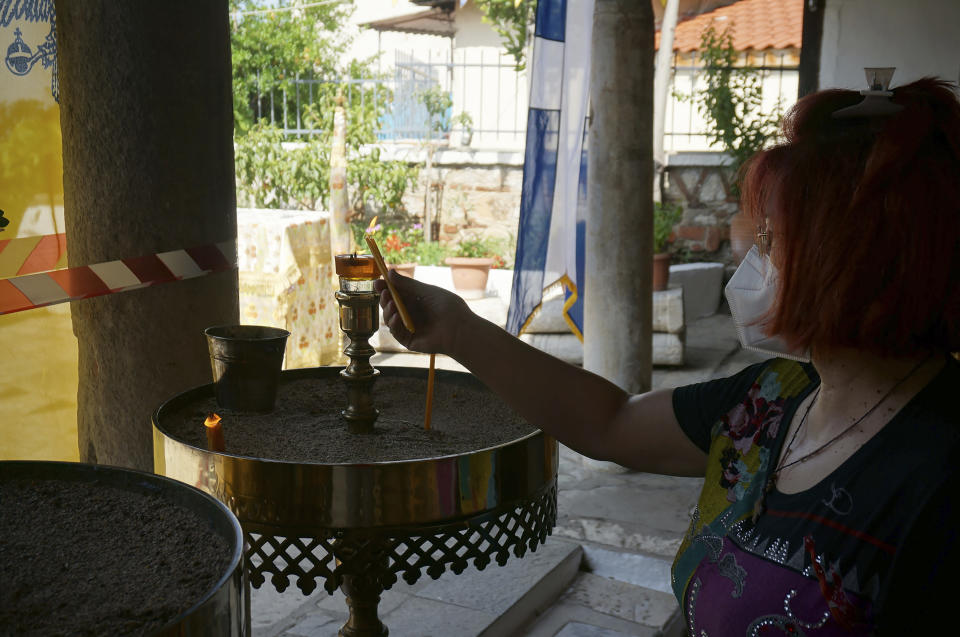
619 238
147 122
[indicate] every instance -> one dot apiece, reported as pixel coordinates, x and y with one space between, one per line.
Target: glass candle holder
357 272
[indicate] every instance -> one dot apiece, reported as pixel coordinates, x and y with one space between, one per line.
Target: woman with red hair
831 488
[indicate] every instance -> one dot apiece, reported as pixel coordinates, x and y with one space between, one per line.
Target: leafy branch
732 101
513 21
438 103
270 50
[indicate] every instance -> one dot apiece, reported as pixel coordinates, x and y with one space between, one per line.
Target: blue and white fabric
550 238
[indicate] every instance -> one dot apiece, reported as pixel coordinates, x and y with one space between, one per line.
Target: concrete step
616 593
494 602
597 606
628 510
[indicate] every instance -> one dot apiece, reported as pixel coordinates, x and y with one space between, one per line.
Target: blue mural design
20 58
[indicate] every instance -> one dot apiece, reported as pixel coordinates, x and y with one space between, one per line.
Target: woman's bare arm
579 408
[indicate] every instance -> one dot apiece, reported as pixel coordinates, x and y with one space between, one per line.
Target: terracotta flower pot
743 234
406 269
661 271
470 275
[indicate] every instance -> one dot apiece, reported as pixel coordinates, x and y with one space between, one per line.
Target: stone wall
703 186
478 193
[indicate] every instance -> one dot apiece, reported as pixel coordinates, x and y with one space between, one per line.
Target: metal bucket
224 609
246 362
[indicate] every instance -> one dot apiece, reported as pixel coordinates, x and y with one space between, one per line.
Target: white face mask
750 293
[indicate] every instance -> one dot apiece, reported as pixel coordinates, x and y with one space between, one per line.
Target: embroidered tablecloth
287 280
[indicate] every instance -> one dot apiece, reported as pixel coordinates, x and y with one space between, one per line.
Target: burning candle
357 273
356 266
214 433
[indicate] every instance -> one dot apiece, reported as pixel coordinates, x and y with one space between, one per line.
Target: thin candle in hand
407 322
401 308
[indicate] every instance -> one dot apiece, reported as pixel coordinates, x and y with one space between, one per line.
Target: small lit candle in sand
214 433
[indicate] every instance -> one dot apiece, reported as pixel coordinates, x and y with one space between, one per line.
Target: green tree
273 45
513 21
273 171
438 103
271 48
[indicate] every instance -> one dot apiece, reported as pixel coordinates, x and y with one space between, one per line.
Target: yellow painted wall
38 352
38 385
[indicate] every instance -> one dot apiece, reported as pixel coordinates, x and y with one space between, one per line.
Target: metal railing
285 106
494 94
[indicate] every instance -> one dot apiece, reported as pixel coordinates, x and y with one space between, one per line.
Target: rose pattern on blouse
750 420
755 421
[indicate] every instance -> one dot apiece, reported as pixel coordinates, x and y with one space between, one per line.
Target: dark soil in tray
306 425
84 558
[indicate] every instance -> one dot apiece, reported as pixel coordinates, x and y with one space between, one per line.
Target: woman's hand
437 314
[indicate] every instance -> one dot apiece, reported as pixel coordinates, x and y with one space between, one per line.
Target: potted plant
664 218
400 247
471 263
431 253
465 122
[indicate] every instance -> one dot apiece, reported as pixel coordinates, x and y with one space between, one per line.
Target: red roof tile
756 25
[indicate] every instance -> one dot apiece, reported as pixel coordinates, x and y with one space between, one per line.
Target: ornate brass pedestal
359 319
357 526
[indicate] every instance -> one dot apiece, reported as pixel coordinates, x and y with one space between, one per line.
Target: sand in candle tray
307 426
84 558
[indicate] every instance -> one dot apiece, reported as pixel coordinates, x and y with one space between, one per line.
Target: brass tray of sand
357 504
88 549
318 503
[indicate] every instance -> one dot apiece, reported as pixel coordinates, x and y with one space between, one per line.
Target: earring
762 237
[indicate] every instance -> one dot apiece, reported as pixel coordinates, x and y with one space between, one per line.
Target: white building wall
919 37
472 31
486 86
482 82
367 42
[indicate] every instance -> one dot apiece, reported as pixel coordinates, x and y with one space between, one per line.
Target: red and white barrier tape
72 284
26 255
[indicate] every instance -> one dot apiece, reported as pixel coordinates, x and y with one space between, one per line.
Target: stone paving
603 573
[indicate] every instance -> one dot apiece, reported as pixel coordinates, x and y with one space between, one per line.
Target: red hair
866 219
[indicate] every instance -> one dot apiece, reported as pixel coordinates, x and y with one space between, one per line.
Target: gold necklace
760 505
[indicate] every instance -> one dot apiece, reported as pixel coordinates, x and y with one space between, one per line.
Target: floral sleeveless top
865 550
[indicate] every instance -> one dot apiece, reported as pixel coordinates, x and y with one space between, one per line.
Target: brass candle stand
360 526
359 319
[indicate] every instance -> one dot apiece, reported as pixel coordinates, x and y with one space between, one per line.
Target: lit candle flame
373 222
214 430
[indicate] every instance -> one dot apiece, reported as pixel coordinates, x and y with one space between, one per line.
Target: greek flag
550 238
